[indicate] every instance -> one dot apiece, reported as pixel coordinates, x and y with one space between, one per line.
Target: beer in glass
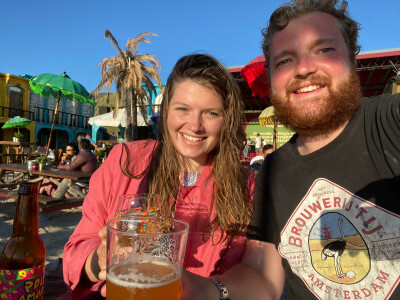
144 257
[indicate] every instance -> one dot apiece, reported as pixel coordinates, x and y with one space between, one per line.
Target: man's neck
309 144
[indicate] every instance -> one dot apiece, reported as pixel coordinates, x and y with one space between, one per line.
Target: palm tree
133 75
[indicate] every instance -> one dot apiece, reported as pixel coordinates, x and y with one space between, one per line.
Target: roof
375 69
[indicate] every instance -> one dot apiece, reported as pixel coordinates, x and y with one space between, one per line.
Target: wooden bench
47 203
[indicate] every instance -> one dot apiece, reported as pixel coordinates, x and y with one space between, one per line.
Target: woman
195 168
71 150
49 188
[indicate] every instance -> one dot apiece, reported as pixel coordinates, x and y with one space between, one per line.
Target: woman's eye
213 114
181 109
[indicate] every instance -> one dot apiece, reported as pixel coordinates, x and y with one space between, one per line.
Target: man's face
314 87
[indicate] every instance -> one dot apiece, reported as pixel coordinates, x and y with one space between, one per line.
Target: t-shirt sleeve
263 223
383 130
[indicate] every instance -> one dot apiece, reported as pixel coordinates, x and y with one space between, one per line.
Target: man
328 199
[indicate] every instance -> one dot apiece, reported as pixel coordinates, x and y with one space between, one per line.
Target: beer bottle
23 257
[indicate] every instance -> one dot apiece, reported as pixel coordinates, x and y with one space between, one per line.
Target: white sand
55 227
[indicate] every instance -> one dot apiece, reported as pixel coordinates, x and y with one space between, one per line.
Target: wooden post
52 124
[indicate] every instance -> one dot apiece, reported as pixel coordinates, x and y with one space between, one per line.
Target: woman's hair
281 17
231 195
73 146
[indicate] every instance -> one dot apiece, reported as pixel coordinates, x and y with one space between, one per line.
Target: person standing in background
257 142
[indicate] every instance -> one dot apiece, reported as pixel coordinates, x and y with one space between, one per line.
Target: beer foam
136 279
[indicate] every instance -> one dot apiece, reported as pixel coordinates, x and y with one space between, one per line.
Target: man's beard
334 110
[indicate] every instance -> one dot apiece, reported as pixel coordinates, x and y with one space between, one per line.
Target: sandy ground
54 227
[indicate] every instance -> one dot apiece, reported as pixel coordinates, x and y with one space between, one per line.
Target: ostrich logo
335 249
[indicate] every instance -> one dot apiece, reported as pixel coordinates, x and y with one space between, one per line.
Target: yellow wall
8 80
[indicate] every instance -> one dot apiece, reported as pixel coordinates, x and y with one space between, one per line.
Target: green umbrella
17 122
47 84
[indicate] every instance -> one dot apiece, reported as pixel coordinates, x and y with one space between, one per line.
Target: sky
55 36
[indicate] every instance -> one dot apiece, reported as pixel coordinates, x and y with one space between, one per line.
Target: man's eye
283 62
326 50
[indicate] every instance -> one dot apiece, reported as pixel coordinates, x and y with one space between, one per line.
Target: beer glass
137 204
150 265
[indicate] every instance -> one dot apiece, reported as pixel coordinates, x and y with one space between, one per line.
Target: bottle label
22 284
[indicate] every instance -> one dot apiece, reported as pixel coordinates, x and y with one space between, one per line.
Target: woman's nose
195 123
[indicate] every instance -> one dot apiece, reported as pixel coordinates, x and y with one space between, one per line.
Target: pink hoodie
108 183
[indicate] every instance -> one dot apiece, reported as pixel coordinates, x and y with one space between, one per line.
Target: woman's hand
96 263
102 253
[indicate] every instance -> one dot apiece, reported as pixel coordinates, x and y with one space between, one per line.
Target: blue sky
55 36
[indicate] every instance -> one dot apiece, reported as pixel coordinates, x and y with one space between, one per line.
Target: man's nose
306 66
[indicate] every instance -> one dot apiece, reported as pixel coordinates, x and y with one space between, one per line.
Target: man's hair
231 195
84 144
89 135
281 17
267 147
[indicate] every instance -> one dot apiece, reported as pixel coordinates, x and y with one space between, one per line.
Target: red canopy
255 75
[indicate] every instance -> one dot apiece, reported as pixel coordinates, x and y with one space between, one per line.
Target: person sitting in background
48 187
257 161
71 151
85 161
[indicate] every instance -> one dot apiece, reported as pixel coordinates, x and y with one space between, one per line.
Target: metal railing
45 115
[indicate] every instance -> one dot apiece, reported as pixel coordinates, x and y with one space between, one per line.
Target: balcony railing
45 115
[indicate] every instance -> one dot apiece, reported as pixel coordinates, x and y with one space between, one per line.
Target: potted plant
41 160
17 137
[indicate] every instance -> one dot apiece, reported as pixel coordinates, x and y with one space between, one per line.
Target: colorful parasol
47 84
267 117
17 122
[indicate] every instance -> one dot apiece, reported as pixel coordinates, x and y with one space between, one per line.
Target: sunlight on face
194 122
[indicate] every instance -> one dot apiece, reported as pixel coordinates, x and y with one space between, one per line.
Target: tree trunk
131 116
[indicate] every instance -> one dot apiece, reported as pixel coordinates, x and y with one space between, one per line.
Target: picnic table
20 170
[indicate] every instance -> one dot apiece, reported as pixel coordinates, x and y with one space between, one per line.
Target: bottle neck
26 219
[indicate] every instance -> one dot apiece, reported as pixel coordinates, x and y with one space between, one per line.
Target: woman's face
194 122
70 151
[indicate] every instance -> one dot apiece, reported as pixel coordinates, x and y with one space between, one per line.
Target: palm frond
108 35
149 58
132 44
